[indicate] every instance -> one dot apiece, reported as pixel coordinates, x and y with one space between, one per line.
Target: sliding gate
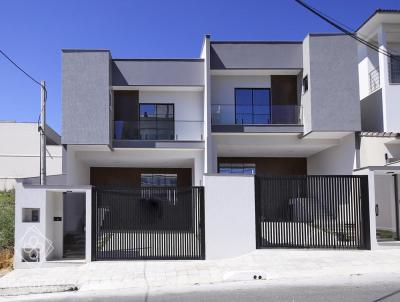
312 212
148 223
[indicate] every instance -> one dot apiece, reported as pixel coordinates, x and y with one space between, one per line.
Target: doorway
387 207
74 225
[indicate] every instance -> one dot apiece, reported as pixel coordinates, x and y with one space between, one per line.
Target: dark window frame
269 115
157 120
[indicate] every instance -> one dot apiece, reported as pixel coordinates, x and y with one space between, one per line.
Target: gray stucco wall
372 112
236 55
158 72
86 97
332 102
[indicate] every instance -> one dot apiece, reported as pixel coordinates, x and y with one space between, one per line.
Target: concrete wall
373 149
183 72
248 55
78 171
188 107
46 234
86 100
372 112
54 229
368 60
19 153
229 217
337 160
332 102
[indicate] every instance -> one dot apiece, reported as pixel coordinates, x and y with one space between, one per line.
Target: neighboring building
20 152
143 137
379 142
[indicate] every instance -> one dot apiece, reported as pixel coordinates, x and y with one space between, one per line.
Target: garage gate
148 223
312 212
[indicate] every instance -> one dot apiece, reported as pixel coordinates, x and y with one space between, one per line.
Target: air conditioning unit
30 255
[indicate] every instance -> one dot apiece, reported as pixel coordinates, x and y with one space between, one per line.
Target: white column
88 226
383 73
372 217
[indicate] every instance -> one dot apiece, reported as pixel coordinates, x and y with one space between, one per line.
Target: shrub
7 208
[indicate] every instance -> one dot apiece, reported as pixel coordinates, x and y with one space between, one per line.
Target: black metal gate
312 212
148 223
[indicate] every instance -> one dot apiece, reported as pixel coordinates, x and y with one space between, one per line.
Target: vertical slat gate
148 223
312 212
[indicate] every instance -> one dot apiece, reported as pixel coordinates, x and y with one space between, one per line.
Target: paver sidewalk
272 264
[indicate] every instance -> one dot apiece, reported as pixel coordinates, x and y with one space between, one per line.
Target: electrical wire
33 79
346 30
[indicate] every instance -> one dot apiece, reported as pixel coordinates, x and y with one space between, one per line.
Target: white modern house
379 140
248 146
19 152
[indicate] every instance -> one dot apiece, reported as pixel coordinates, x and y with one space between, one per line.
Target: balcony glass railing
158 130
272 115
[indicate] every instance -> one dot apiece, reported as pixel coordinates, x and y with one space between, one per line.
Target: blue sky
34 32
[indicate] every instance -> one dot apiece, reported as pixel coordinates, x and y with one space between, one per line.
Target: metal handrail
374 80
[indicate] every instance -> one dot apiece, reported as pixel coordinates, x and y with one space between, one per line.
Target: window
252 106
305 84
30 215
157 122
158 180
237 168
395 69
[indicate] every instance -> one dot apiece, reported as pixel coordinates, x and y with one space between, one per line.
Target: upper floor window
252 106
157 121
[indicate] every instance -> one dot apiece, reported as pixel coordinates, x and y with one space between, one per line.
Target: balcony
158 130
232 118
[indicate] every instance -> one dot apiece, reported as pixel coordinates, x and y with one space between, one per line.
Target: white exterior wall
46 232
373 149
223 93
229 215
368 60
19 153
78 172
188 110
390 92
337 160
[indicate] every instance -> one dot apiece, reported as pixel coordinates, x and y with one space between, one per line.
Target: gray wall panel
256 55
333 94
158 72
86 97
372 112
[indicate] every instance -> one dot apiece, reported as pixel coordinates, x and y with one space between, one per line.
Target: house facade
250 145
379 140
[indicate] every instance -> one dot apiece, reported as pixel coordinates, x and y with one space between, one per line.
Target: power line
29 76
346 31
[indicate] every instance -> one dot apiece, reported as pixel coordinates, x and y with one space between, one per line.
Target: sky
33 32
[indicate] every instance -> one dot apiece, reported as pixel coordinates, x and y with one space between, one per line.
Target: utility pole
42 134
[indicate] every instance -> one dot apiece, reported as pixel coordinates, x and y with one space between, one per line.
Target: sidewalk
271 264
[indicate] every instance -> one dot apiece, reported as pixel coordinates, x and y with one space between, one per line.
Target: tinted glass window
252 106
157 122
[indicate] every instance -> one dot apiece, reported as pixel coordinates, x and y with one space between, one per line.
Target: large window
252 106
237 168
157 121
158 180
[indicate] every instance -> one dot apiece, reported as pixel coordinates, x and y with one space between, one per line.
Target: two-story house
379 142
250 145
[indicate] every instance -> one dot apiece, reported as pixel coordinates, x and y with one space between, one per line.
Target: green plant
7 208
